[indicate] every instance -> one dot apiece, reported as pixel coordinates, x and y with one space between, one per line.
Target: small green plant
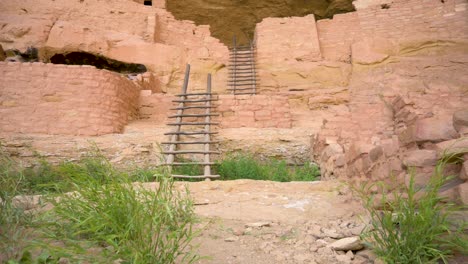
99 214
14 221
246 166
416 226
114 216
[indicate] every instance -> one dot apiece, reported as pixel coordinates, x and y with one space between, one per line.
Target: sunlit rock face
239 17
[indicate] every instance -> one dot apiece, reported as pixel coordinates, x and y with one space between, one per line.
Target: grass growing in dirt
417 225
13 220
246 166
106 216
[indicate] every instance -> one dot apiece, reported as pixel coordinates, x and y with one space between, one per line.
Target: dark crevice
100 62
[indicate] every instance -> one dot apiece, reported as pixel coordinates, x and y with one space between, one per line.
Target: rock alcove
239 17
100 62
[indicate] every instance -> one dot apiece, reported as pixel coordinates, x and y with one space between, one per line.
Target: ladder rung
241 60
252 93
240 89
241 51
192 115
192 123
194 94
189 142
241 85
240 68
190 133
243 71
187 163
190 152
195 177
231 75
242 80
239 63
194 101
193 107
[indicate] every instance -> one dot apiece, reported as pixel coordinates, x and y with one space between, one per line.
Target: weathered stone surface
420 158
464 171
453 146
349 243
376 153
332 150
460 119
434 130
363 54
2 54
463 193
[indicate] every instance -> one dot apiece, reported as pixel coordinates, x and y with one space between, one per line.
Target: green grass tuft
417 225
246 166
106 217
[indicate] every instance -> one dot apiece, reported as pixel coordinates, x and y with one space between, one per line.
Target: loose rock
349 243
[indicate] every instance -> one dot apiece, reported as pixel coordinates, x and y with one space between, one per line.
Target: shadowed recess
239 17
100 62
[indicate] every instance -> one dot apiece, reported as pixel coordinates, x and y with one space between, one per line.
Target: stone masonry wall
393 26
60 99
254 111
257 111
301 43
294 62
336 36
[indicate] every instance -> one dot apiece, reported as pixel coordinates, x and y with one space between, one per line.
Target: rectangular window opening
148 3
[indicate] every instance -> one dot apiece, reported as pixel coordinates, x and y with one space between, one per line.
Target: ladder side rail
254 84
206 159
175 136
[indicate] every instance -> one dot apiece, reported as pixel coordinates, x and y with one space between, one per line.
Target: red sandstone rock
460 119
420 158
376 153
363 54
463 192
453 146
464 171
434 130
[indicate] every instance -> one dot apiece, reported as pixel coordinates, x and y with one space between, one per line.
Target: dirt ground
246 221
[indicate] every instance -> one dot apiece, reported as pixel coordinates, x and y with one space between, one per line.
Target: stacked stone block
61 99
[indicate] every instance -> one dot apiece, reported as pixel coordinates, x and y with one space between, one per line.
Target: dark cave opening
228 18
100 62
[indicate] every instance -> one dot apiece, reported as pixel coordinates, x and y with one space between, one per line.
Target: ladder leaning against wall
192 106
242 73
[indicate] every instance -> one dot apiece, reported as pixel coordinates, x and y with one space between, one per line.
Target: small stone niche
148 2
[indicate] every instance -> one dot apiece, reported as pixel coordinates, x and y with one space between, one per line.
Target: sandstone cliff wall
59 99
319 55
118 29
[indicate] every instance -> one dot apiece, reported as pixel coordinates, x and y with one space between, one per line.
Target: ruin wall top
64 99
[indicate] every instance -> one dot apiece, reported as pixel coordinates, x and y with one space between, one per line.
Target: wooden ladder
192 102
242 77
